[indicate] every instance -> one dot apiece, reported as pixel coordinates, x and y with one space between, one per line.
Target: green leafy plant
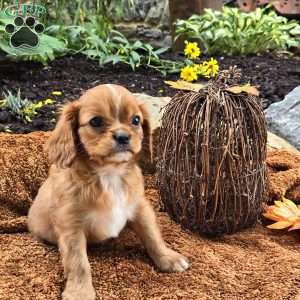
90 35
77 12
118 49
80 37
113 48
234 32
22 108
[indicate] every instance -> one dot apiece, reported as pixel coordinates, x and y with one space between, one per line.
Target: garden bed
275 76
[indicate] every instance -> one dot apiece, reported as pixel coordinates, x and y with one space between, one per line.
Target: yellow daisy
199 69
210 68
189 73
192 50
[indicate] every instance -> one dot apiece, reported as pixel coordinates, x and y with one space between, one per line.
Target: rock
165 18
283 117
166 42
128 29
155 107
149 33
130 13
147 20
157 37
155 13
277 143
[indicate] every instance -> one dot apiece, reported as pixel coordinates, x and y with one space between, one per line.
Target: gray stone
166 42
155 13
149 33
154 106
165 18
147 20
155 36
130 13
129 30
277 143
283 117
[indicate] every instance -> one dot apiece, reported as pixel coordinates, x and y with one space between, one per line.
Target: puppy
95 186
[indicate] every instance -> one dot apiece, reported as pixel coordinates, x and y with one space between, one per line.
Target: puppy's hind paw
172 261
79 294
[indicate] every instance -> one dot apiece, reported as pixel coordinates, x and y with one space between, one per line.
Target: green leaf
91 53
135 57
137 44
132 63
120 40
161 50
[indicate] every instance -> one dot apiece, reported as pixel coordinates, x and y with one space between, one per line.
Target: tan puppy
95 186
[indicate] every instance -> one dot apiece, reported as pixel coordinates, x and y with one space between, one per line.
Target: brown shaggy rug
254 264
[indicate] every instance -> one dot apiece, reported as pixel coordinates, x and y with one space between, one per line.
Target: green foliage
234 32
80 37
115 48
90 33
118 49
77 12
22 108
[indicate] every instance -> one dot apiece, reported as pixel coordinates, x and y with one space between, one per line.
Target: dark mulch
274 76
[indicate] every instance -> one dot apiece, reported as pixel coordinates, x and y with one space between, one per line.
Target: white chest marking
114 220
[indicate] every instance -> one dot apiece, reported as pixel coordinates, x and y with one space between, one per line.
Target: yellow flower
210 68
189 73
49 101
192 50
199 69
56 93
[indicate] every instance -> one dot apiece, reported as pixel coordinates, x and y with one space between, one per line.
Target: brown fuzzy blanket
254 264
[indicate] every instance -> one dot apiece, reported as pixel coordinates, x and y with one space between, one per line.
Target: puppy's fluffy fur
95 186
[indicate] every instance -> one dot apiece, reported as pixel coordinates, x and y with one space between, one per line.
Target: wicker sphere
211 170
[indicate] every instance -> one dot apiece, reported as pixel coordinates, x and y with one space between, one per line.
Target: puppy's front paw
171 261
79 293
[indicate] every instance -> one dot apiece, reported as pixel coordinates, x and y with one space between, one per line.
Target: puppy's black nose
121 137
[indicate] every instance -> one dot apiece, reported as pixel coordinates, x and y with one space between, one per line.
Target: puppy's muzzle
122 140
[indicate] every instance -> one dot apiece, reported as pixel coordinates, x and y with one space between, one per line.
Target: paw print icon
24 32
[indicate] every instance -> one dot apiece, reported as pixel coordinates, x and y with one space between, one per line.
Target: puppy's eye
136 120
96 122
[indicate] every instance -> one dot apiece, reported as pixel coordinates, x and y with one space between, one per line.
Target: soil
253 264
274 76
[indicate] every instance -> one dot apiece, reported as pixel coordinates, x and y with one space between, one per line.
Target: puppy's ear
62 144
147 140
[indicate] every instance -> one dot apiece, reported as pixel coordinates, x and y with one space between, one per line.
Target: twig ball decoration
211 170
